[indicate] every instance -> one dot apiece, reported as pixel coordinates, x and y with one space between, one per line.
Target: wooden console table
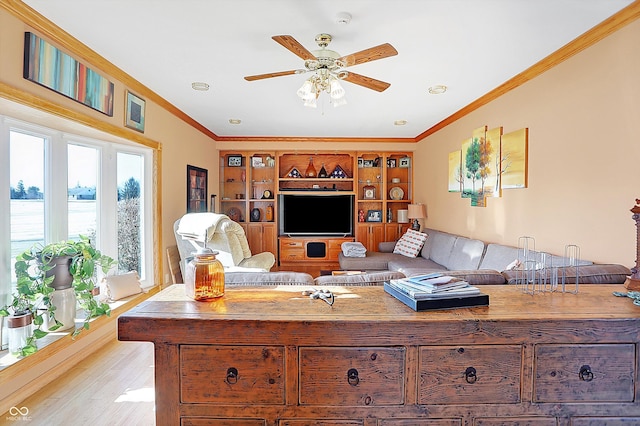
271 356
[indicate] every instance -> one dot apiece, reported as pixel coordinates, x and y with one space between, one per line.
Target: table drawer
567 373
352 376
232 374
469 374
206 421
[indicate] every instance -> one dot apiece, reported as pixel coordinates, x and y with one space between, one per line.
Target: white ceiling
471 46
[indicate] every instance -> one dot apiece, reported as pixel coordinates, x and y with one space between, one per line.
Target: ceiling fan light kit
328 68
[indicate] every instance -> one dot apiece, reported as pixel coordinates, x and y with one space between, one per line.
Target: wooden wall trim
311 139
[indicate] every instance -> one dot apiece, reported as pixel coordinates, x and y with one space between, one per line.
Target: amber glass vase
204 278
311 170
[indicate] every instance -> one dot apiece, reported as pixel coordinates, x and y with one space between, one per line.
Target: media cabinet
271 356
251 182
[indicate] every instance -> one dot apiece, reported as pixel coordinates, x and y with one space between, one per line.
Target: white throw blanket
354 249
199 226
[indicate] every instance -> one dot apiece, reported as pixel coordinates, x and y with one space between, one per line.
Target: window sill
56 341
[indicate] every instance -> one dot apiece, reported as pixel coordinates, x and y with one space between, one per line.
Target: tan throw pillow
411 243
117 287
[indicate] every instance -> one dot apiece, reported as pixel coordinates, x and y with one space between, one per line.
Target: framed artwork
234 161
46 65
197 180
391 163
374 215
455 172
404 162
514 158
360 162
134 118
367 163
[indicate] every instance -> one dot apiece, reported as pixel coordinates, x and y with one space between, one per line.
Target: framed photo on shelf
234 161
374 215
197 180
135 112
404 162
256 162
391 163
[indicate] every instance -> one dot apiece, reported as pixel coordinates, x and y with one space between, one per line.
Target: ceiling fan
329 68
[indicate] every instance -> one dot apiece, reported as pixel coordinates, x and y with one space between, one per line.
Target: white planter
65 303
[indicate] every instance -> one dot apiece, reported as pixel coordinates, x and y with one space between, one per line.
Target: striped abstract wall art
48 66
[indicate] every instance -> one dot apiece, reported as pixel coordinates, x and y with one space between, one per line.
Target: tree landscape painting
487 163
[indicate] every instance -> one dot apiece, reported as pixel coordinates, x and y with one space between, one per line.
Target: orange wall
584 125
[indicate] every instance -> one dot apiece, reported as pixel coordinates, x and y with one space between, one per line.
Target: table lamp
417 211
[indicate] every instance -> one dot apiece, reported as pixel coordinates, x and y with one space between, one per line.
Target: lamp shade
417 211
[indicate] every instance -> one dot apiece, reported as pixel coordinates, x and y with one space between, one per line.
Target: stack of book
435 291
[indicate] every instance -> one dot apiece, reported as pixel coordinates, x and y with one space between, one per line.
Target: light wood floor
112 387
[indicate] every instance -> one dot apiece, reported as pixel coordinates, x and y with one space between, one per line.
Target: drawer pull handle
232 376
470 375
352 377
585 373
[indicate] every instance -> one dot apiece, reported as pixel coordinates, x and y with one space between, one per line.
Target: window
58 186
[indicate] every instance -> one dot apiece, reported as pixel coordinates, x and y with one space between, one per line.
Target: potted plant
41 271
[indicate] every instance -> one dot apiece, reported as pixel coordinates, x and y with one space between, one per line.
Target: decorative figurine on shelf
311 170
633 281
389 215
323 172
360 215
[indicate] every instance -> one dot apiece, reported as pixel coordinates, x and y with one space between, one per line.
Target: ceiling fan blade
270 75
292 44
368 82
368 55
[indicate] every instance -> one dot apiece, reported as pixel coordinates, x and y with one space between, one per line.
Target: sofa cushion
498 257
587 274
373 261
267 278
367 278
466 254
410 243
401 263
441 247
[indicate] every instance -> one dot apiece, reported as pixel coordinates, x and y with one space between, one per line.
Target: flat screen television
317 214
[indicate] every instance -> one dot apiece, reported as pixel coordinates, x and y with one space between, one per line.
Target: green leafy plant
33 289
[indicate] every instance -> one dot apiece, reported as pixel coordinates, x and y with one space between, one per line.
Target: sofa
478 262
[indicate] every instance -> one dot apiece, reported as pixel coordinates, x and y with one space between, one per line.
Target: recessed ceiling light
400 122
198 85
437 89
235 121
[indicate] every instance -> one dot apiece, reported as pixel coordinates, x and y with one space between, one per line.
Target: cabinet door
393 231
269 238
261 237
370 235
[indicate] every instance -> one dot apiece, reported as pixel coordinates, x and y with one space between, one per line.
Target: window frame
56 199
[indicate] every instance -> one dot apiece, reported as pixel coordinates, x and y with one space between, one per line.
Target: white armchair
220 233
